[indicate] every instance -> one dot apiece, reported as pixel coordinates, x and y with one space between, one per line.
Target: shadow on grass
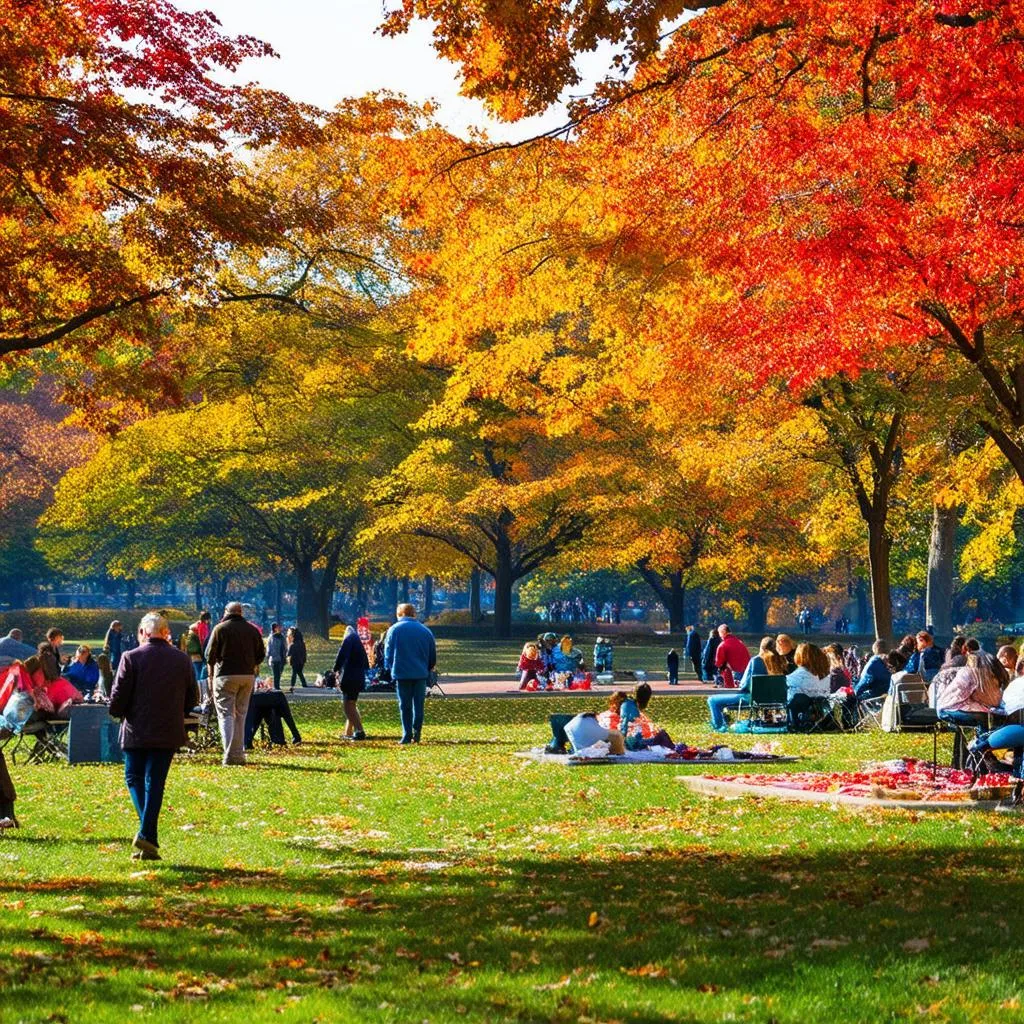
675 934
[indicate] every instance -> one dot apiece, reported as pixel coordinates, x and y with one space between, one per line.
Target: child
531 664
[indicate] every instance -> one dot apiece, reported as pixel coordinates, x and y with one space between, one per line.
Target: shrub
81 623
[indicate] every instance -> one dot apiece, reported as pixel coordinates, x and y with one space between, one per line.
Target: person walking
672 663
235 652
693 652
277 651
351 666
708 653
410 655
154 689
296 655
194 649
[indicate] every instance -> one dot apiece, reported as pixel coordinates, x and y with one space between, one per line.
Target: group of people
623 726
156 688
578 609
550 663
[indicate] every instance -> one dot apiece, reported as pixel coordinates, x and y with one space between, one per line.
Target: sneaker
146 849
555 748
296 741
359 735
8 823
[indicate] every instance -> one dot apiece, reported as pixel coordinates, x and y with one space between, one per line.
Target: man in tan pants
234 653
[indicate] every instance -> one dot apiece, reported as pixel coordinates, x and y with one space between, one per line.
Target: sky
329 50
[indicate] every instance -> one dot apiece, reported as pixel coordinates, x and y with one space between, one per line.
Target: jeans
719 703
297 671
411 694
963 719
698 669
277 667
145 773
1007 737
231 696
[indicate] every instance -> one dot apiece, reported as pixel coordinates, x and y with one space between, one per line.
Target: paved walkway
491 686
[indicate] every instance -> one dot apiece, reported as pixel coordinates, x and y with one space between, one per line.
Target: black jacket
154 689
351 663
693 646
672 660
297 651
235 648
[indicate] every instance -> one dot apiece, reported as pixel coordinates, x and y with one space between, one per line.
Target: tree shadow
854 934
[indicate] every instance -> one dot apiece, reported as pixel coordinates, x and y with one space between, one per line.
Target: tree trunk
863 625
756 611
428 596
677 604
391 594
939 600
474 596
881 596
405 590
222 591
130 592
503 593
278 596
199 596
308 610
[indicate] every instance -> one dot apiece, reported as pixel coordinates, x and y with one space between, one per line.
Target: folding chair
765 706
204 728
50 741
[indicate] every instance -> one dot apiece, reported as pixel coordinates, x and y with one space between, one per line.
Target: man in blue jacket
410 655
874 679
693 652
927 659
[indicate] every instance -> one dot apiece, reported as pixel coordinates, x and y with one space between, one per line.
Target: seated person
972 692
610 719
565 657
83 671
531 664
1007 657
839 676
927 658
767 662
875 676
808 681
636 727
584 731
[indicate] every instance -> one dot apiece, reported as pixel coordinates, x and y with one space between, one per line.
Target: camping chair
50 741
765 706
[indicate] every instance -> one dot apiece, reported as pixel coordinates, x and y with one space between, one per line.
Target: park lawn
452 882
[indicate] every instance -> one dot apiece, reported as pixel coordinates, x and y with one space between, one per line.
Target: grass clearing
451 882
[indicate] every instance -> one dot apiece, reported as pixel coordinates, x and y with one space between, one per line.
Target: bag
18 710
890 716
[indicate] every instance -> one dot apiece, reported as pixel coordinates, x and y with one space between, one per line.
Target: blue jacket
708 657
86 676
409 650
277 647
874 680
928 660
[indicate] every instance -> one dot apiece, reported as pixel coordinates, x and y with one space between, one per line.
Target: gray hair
406 611
233 608
152 623
349 631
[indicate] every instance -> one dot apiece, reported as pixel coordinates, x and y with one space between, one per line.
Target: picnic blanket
654 756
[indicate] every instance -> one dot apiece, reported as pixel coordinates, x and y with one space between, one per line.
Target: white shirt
803 680
1013 696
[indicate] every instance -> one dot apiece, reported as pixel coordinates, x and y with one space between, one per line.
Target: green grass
452 882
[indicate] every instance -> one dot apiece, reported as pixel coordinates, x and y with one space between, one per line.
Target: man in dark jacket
276 651
155 688
235 652
693 651
672 664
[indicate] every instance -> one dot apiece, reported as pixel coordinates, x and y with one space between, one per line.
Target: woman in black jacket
296 654
351 665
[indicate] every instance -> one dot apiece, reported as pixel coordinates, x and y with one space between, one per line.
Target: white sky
329 50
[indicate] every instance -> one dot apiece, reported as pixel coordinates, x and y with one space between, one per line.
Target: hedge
81 623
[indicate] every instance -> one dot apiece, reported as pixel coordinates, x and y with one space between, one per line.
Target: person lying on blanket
584 731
